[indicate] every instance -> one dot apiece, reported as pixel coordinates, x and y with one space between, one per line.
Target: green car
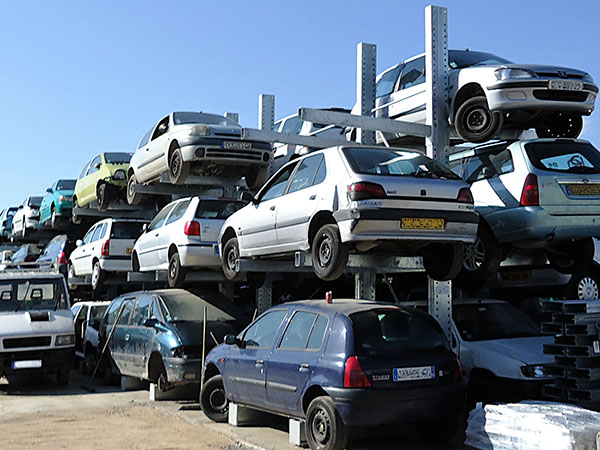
102 181
56 206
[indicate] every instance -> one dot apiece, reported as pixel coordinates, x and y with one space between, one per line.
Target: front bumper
52 360
215 150
371 407
183 370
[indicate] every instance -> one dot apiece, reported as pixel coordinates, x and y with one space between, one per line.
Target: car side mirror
231 339
97 166
49 190
151 323
78 242
248 197
162 127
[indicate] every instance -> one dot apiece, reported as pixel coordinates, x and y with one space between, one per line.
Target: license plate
237 145
566 85
524 275
414 373
584 189
421 223
28 364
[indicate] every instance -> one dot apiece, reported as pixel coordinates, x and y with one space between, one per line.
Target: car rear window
399 163
34 202
569 157
117 158
384 331
483 166
217 209
126 230
66 185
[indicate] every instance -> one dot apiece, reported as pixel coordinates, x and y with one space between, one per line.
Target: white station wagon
355 199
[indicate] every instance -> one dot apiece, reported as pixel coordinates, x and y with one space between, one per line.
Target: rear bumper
182 371
201 254
371 407
115 263
52 360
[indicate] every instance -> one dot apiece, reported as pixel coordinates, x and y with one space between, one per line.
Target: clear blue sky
79 77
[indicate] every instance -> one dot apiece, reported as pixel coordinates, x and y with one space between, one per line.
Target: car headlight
119 175
199 130
65 339
505 74
533 371
588 78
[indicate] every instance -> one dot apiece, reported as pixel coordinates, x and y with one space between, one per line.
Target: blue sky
79 78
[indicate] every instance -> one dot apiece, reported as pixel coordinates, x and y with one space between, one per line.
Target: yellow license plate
584 189
128 251
421 223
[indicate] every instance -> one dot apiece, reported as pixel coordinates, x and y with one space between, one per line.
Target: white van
36 325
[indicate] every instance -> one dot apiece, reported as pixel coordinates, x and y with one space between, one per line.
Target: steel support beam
264 294
266 112
440 303
294 139
366 67
364 284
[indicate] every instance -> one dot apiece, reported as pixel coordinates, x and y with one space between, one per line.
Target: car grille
249 155
39 341
560 96
570 76
228 134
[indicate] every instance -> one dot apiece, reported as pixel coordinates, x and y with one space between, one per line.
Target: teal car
57 205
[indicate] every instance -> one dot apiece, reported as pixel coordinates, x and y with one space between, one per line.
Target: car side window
155 310
315 340
159 220
298 330
140 313
127 308
84 170
161 128
82 315
103 232
277 187
88 237
145 138
386 83
75 310
178 211
97 232
95 165
413 73
304 176
111 313
262 332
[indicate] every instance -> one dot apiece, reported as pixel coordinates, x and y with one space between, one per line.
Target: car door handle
259 362
312 197
127 337
304 367
156 235
272 208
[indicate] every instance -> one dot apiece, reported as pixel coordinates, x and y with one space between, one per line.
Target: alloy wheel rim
173 269
232 259
95 275
587 289
175 165
474 255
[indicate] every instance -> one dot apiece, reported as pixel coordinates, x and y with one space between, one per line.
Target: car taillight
192 228
530 195
106 248
457 375
354 376
364 190
465 196
62 259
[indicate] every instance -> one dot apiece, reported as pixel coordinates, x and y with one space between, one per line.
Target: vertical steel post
440 304
264 294
364 284
266 112
366 66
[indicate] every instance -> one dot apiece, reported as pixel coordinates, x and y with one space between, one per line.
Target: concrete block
184 392
239 414
297 434
132 384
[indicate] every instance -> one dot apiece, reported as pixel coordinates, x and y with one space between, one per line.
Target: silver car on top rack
355 199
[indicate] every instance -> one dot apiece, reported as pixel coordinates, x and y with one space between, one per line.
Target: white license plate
28 364
235 145
566 85
414 373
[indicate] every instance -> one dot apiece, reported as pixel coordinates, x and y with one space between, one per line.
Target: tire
329 253
102 196
583 286
178 168
231 254
475 122
71 274
135 263
438 431
53 218
560 125
133 198
63 376
98 276
571 256
445 262
160 377
484 255
176 273
24 231
213 400
325 429
74 217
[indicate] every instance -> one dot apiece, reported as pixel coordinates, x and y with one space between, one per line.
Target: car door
150 241
294 359
244 367
407 102
80 327
80 255
88 193
139 335
172 226
157 149
45 210
92 249
297 206
258 233
119 343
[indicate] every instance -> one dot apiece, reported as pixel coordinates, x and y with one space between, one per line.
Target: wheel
475 122
484 255
178 168
63 376
571 256
160 377
583 286
325 429
255 178
329 253
102 196
560 125
133 198
98 276
213 400
135 263
176 273
438 431
74 217
70 276
24 231
231 254
53 218
444 262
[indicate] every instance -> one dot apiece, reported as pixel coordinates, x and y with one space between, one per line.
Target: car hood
190 332
528 350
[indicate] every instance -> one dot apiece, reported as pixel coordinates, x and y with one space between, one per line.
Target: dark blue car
339 364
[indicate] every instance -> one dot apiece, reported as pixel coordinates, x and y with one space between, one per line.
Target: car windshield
117 158
569 157
65 185
386 331
187 306
32 295
488 321
458 59
217 209
34 202
180 118
126 230
11 212
400 163
55 246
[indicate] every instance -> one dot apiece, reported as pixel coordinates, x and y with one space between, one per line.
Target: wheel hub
217 400
587 289
325 252
474 255
232 259
477 120
320 427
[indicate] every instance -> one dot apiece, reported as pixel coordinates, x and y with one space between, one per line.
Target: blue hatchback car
339 364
